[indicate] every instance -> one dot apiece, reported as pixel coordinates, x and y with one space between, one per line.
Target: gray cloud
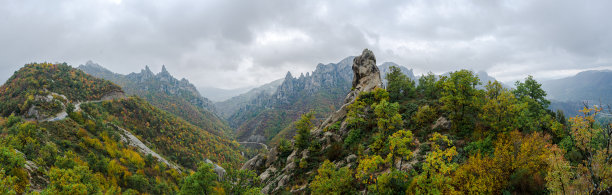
230 43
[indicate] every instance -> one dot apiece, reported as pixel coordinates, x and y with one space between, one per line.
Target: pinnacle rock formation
366 74
366 77
277 173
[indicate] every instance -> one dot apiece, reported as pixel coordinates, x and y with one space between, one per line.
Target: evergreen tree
399 86
303 126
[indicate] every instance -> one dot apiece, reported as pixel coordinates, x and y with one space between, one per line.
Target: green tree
7 183
533 90
399 86
387 116
460 98
425 116
303 126
238 181
427 87
437 168
400 143
77 180
393 182
330 180
535 117
501 109
201 182
13 163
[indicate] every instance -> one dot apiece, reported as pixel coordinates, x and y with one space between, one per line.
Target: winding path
261 144
62 115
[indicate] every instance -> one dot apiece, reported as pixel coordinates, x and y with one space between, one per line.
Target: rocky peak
366 75
165 75
146 73
288 76
92 64
147 70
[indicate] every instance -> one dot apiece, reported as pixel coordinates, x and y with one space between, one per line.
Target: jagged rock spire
366 74
147 70
288 76
164 69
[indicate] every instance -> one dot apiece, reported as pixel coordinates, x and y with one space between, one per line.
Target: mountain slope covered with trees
178 97
442 136
104 144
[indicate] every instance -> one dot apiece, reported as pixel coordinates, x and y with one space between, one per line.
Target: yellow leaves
399 143
559 173
367 167
132 157
513 152
480 175
110 145
93 142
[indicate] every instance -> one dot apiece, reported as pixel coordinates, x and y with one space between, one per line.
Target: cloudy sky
231 44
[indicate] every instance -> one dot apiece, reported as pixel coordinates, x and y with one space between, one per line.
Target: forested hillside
442 136
106 142
178 97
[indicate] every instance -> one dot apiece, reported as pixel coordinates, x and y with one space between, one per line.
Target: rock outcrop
277 172
366 75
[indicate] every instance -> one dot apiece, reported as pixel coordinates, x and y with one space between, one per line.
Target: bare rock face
366 73
442 123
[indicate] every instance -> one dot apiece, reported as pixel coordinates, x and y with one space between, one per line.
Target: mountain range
268 117
178 97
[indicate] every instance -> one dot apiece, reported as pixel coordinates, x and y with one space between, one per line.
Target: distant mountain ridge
269 116
178 97
593 85
219 95
230 106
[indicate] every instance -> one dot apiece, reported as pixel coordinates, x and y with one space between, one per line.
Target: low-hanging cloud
230 43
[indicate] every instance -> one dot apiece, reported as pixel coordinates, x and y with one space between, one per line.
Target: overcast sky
231 44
